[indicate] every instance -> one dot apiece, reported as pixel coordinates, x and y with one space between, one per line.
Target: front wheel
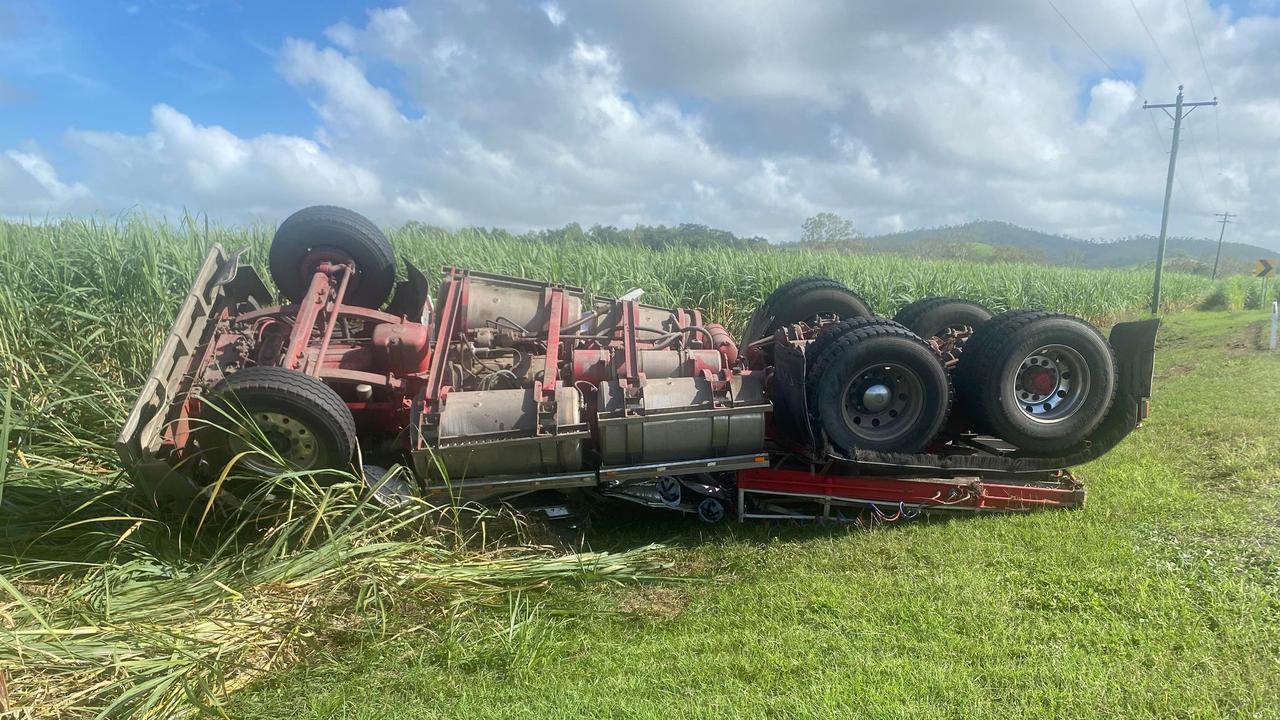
271 420
325 233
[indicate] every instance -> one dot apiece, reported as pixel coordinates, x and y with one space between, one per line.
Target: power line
1155 44
1195 147
1160 136
1156 129
1217 131
1217 127
1086 42
1199 51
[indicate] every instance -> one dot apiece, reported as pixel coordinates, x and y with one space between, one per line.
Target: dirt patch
1173 371
1260 336
657 603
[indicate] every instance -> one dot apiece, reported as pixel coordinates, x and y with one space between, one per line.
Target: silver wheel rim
287 436
882 402
1051 384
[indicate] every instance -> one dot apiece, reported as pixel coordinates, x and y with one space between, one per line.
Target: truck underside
500 386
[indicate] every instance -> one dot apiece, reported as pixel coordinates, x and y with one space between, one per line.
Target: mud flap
412 296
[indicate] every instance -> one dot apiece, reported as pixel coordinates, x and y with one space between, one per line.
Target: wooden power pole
1180 110
1226 218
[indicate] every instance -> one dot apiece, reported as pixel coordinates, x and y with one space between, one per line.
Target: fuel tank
495 300
681 418
489 433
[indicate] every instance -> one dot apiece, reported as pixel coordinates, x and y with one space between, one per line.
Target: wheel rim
289 437
669 490
711 510
883 401
1051 384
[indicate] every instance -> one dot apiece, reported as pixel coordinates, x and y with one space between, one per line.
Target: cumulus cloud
31 187
743 115
180 164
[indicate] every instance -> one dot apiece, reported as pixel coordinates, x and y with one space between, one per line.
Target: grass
109 607
138 256
1160 599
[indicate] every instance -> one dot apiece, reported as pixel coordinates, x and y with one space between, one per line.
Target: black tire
886 355
928 317
829 334
1002 369
755 327
303 419
344 233
804 298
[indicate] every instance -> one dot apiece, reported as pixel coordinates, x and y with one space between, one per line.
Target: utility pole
1226 218
1177 115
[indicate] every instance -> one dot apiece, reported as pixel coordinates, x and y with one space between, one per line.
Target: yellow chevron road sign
1265 267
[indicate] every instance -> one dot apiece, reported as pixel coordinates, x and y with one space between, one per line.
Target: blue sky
732 113
99 62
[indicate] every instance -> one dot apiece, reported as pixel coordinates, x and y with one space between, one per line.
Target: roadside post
1275 322
1265 268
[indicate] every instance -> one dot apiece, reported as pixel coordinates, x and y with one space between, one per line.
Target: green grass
1160 599
105 600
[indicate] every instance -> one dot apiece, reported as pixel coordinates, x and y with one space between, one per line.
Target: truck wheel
755 326
829 334
292 416
928 317
323 232
1041 381
878 386
803 299
712 511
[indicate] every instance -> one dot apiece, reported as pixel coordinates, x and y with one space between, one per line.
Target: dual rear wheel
873 384
1040 381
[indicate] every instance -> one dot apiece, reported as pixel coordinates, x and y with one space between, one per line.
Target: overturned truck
496 386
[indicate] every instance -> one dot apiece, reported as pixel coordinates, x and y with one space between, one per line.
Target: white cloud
732 113
180 164
31 187
554 14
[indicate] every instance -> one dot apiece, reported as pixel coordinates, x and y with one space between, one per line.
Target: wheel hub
877 397
669 490
287 436
882 401
1051 383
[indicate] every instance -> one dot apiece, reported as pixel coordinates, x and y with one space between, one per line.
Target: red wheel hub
1040 381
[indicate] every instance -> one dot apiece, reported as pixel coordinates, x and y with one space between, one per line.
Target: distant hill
993 240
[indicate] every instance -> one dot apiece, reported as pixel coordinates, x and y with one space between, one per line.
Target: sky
743 115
